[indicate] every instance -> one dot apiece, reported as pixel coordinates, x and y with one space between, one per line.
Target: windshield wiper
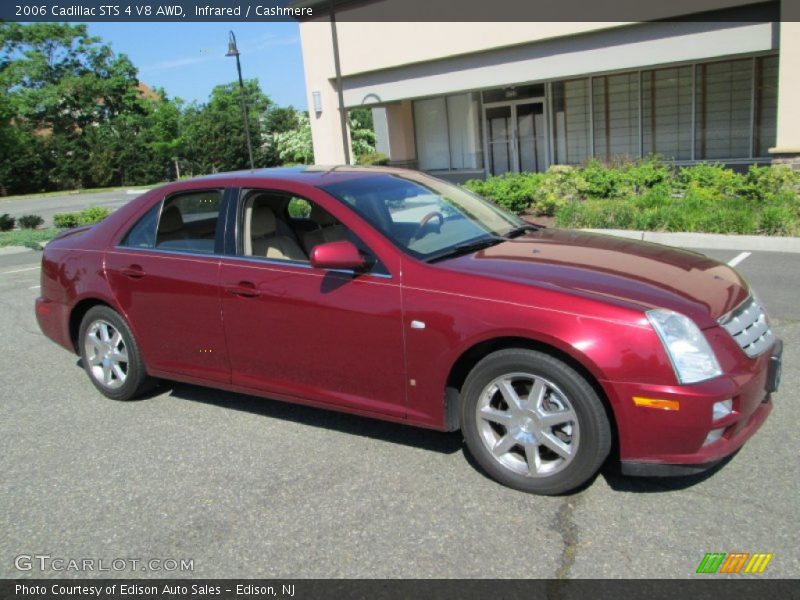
467 247
518 231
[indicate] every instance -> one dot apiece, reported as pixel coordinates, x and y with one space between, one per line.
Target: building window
766 108
724 96
463 118
448 132
571 121
667 112
430 121
616 116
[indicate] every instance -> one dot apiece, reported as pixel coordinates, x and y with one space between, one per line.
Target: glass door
531 149
500 137
516 137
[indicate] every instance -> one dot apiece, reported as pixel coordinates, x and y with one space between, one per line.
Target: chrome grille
748 325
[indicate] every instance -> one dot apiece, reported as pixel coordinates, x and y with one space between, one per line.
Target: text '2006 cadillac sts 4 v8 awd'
394 295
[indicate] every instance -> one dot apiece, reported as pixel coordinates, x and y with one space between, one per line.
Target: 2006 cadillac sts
394 295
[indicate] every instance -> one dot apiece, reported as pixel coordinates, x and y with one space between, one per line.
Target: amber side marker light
656 403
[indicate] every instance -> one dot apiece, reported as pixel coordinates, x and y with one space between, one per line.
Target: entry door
306 333
516 136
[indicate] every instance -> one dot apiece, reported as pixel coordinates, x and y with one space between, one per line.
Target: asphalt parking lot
246 487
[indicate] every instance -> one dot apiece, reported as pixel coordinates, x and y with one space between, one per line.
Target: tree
362 132
61 83
214 132
294 145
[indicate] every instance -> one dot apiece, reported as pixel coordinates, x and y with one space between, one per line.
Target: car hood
615 269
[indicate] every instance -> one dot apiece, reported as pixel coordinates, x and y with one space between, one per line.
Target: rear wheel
110 355
533 422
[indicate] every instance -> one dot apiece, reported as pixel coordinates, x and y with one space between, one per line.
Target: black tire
585 439
136 380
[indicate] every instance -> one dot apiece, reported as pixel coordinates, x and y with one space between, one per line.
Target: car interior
282 227
189 222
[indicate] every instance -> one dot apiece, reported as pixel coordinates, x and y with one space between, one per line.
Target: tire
104 340
533 423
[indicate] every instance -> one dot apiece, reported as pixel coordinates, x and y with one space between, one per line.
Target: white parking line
34 287
20 270
739 258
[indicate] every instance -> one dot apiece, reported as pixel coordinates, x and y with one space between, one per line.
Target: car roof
316 175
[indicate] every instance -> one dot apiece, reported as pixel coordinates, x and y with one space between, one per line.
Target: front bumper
674 442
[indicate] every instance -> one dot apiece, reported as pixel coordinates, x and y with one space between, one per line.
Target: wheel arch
79 310
478 351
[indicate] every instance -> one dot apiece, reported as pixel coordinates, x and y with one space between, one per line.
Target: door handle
244 289
133 271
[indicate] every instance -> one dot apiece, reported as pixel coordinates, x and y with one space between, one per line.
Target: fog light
713 436
722 409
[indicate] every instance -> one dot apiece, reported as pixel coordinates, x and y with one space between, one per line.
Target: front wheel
533 422
110 355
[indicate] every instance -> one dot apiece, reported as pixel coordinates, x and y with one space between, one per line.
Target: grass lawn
27 237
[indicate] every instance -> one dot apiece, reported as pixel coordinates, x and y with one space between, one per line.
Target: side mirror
337 255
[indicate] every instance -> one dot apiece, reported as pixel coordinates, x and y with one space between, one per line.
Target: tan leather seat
330 229
265 239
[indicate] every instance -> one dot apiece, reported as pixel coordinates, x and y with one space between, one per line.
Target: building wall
787 146
388 64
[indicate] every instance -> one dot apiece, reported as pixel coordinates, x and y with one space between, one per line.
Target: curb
709 241
6 250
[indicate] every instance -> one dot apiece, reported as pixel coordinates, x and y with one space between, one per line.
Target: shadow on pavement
649 485
395 433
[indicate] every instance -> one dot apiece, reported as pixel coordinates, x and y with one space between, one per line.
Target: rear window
143 233
188 222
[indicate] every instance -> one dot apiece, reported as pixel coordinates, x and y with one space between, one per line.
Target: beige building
466 99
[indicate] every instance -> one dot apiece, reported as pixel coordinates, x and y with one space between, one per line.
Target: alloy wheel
528 424
107 354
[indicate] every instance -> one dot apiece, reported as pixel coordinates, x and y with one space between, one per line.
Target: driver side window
282 227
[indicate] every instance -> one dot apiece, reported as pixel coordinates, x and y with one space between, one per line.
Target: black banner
442 589
397 10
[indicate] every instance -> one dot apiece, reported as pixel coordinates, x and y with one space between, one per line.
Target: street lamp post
234 51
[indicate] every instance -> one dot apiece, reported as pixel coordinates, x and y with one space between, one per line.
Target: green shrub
30 221
651 195
559 185
765 183
647 173
713 178
88 216
513 191
372 158
66 220
6 222
93 214
603 182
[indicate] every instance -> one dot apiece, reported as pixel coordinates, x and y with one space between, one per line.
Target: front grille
748 325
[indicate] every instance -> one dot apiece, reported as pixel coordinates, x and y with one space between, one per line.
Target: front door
305 333
516 137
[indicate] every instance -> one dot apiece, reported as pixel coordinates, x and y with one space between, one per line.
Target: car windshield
426 217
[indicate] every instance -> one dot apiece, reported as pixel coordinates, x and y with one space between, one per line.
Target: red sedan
394 295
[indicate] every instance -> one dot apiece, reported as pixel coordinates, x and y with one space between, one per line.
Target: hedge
653 195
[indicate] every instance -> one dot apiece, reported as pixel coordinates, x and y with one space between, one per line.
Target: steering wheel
424 223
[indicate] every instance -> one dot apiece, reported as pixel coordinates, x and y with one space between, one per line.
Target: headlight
687 347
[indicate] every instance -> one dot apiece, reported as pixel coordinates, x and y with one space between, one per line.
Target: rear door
165 275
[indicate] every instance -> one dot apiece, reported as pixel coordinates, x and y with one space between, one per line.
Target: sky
188 59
